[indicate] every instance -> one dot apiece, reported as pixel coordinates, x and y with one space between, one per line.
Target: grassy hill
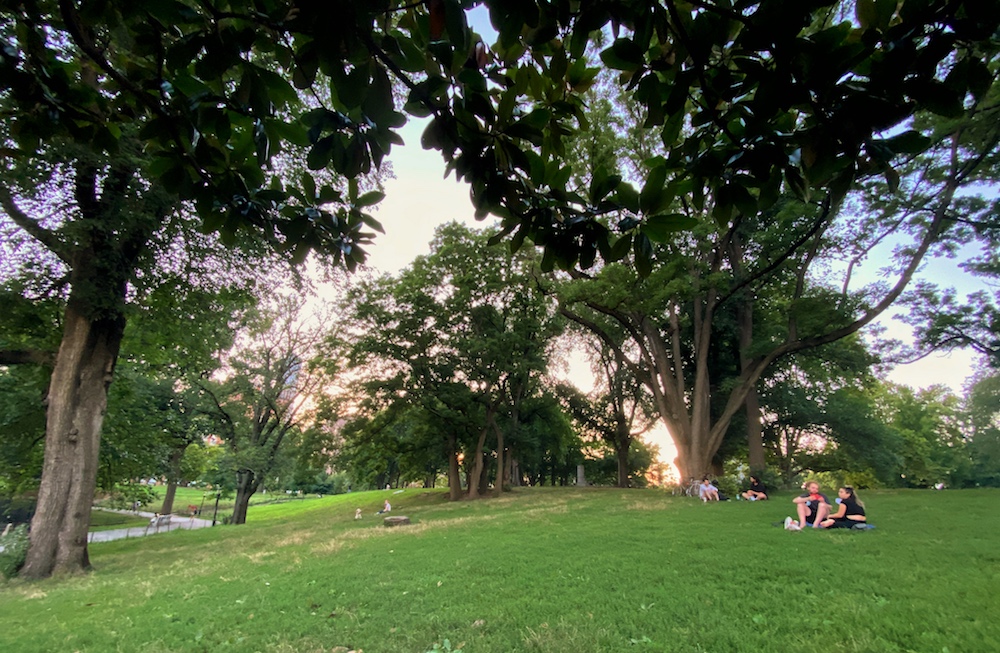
542 569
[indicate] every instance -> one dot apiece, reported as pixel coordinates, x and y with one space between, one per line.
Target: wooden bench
157 521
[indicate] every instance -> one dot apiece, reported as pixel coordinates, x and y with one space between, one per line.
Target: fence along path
157 524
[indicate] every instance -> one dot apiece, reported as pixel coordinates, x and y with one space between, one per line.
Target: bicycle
690 489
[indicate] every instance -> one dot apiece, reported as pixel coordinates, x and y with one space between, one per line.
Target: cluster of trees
747 151
452 362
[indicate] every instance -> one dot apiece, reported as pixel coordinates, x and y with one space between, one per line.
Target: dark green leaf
643 251
620 248
623 55
659 227
319 154
602 184
653 195
909 142
370 198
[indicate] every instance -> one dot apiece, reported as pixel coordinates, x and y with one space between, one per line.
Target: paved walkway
176 522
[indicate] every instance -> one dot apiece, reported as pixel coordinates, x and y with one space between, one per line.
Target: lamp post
218 495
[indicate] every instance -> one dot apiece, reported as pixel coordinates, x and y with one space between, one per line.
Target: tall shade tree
103 220
930 425
173 339
732 250
262 395
461 331
617 410
820 414
983 406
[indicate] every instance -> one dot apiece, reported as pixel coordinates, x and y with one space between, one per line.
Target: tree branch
824 215
25 356
46 237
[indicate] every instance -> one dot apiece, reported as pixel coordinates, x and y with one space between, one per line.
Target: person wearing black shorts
850 513
757 491
812 506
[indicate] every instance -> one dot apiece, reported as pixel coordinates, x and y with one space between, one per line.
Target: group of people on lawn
813 508
708 492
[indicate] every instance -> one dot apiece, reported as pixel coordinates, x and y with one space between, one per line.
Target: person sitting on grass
386 508
850 513
707 491
757 491
812 506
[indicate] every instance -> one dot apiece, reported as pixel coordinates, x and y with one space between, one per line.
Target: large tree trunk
484 478
168 498
501 467
755 430
621 453
478 481
173 476
101 250
755 433
454 473
246 486
694 460
78 395
477 464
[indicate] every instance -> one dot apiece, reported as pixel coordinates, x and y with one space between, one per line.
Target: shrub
728 485
15 548
861 480
126 496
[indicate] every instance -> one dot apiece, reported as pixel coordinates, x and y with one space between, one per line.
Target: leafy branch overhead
748 99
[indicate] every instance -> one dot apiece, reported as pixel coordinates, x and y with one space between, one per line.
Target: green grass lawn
547 570
101 520
205 501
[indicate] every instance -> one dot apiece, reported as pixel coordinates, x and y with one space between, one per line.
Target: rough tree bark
78 396
744 319
454 472
246 486
173 477
476 478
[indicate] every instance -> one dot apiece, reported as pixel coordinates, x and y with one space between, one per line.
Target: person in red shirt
812 506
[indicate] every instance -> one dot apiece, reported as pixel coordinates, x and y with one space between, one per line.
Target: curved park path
176 522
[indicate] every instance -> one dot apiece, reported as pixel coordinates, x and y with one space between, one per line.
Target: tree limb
792 249
27 356
46 237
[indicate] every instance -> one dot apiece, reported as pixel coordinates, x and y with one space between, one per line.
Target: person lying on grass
813 507
850 512
757 491
707 491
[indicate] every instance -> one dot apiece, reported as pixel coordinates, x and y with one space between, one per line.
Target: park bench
157 521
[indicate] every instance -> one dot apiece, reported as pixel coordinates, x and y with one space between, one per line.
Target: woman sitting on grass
850 513
757 491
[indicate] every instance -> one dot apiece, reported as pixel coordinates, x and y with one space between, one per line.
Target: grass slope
101 520
543 569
